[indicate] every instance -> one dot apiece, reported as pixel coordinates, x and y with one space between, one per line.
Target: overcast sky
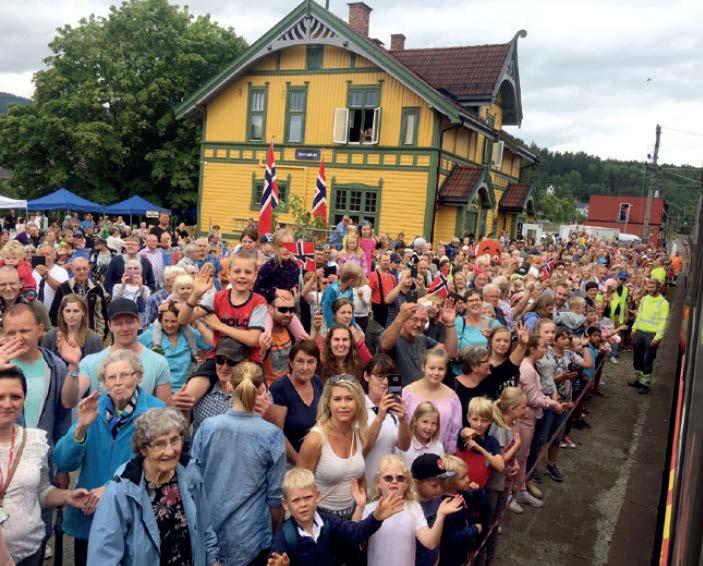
597 76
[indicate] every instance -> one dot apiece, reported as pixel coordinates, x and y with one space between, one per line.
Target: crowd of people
188 403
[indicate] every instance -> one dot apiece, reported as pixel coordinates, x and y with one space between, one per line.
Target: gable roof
311 24
463 183
515 198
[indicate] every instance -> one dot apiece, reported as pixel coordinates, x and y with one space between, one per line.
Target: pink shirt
449 416
529 383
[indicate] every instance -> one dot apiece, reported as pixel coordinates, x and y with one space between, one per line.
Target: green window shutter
313 57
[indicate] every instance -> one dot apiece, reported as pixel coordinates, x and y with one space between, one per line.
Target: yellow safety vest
652 315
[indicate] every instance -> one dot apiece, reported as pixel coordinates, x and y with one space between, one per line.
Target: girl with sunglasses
395 542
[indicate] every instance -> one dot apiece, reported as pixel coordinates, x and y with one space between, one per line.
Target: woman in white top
132 287
362 303
25 470
388 429
334 448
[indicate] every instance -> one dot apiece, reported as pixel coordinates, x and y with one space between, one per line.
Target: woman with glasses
388 430
334 449
153 493
242 460
473 328
296 396
101 439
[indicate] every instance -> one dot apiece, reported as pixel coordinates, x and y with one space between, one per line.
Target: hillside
6 99
576 176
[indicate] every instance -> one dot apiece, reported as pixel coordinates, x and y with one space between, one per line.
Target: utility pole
652 185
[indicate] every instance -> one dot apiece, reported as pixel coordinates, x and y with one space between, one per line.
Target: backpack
290 535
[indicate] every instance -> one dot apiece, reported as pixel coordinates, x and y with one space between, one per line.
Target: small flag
269 196
304 253
440 286
319 201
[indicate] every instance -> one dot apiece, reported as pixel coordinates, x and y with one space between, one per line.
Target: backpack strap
290 535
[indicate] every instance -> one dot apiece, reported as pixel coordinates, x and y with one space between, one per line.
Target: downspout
439 164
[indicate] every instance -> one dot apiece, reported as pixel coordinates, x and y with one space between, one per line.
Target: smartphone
411 296
413 272
395 386
38 260
330 270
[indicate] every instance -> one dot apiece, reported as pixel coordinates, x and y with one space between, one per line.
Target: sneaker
534 490
569 443
535 476
528 499
500 529
563 444
613 360
643 390
515 507
554 473
48 553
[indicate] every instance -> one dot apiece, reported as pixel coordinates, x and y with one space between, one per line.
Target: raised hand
389 506
69 351
203 280
447 314
450 505
358 494
10 348
523 334
88 410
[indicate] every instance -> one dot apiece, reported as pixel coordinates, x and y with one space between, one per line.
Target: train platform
607 509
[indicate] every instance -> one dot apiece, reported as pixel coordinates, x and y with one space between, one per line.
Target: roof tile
514 198
460 183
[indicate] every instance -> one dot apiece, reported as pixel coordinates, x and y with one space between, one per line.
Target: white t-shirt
57 272
394 543
362 304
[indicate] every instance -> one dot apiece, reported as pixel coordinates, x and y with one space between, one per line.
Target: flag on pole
440 286
304 253
269 196
319 201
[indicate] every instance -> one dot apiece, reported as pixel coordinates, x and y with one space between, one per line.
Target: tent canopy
134 205
12 203
63 199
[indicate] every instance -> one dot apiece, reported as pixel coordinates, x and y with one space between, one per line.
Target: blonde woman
395 542
334 448
240 444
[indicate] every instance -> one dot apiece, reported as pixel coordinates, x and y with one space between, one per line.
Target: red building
627 214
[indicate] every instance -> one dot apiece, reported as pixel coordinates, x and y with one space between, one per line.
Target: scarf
117 419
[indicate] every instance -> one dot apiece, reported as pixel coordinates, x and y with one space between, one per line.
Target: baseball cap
78 234
395 258
232 349
429 467
522 271
622 275
122 306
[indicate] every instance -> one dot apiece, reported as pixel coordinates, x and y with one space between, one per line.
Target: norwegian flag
547 269
304 253
319 201
269 196
440 286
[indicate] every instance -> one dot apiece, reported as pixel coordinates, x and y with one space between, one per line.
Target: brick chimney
359 16
397 42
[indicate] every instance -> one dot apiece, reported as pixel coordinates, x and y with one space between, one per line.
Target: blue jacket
124 529
98 457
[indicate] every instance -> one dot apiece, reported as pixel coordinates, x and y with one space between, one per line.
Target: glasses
341 378
485 361
285 310
221 360
162 445
120 377
380 376
390 479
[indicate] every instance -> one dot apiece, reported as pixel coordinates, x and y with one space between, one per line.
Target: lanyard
3 487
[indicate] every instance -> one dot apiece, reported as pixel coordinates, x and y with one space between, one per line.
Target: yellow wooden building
412 139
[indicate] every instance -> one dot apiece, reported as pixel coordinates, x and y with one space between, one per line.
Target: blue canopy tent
134 205
63 199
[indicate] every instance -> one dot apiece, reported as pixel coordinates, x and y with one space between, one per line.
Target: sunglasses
340 378
391 479
221 360
284 310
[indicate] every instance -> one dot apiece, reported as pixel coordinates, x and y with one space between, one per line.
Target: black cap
78 234
522 270
430 467
395 258
232 349
122 306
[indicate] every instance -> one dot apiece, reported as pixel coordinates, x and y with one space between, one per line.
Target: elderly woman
241 447
473 328
101 439
154 493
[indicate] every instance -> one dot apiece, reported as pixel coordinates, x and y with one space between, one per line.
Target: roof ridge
450 47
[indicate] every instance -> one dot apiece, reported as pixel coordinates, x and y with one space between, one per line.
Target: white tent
12 203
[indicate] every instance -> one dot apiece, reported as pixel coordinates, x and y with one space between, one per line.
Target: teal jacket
125 532
98 457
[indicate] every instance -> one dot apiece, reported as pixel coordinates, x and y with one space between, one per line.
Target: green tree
102 122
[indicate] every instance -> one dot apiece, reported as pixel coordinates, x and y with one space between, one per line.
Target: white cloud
584 66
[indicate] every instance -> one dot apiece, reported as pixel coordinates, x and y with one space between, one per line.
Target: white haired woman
154 493
101 439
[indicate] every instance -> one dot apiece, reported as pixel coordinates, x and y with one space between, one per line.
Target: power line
669 172
689 133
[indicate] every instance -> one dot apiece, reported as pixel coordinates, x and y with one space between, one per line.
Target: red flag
269 196
304 253
440 286
319 201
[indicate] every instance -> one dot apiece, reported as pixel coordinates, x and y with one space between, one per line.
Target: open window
497 157
361 121
624 212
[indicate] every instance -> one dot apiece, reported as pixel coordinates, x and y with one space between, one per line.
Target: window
360 202
256 122
408 126
488 144
295 114
624 212
361 121
258 189
313 57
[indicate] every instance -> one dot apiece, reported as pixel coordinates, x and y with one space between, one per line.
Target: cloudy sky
597 75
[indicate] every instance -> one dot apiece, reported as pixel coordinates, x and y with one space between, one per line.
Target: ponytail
510 397
247 377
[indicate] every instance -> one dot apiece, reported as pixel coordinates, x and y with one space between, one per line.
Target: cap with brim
395 258
622 275
122 306
78 234
430 467
523 270
232 349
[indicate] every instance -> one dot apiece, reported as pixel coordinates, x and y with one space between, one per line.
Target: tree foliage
6 99
102 118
